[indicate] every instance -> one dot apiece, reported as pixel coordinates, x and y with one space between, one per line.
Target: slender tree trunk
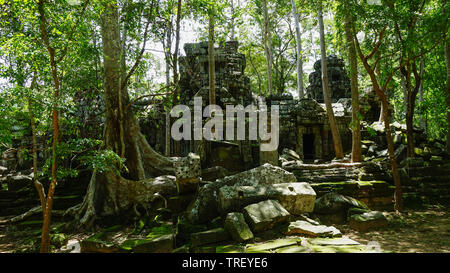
412 92
176 144
421 117
212 73
45 243
167 57
299 51
326 91
447 64
268 47
39 187
381 93
232 21
356 130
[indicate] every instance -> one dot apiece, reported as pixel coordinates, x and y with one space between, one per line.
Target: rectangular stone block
265 215
297 198
209 237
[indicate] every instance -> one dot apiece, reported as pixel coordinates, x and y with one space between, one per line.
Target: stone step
430 179
429 171
357 189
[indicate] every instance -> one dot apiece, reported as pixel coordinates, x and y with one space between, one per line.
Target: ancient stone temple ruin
232 88
338 80
303 124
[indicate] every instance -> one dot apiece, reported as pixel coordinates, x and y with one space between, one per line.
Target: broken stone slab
159 244
290 155
237 227
187 172
305 228
436 160
94 245
265 215
205 206
368 220
292 249
266 174
209 237
332 203
332 241
412 162
213 173
297 198
3 170
18 182
271 245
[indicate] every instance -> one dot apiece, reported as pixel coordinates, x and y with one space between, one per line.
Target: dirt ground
423 231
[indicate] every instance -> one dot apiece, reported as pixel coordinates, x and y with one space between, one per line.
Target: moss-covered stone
367 220
271 245
230 249
237 227
209 236
157 244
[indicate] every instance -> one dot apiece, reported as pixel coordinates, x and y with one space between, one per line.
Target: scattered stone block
229 249
271 245
292 249
368 220
18 182
331 203
436 160
305 228
237 227
205 207
266 174
297 198
3 170
332 241
209 237
159 244
412 162
94 244
213 173
264 215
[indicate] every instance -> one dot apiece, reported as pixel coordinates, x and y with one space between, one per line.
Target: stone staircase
369 183
427 184
19 195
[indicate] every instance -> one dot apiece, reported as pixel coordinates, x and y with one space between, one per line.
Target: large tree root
109 194
31 212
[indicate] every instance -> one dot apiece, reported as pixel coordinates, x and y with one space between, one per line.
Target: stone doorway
308 147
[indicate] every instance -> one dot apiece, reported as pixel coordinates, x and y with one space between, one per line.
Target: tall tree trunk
176 144
45 243
299 51
167 50
232 21
421 93
212 72
326 90
447 65
108 192
268 47
39 187
381 93
356 130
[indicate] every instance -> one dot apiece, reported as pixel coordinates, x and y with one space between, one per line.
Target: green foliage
107 160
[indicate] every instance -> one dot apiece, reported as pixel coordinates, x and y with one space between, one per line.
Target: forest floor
423 231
